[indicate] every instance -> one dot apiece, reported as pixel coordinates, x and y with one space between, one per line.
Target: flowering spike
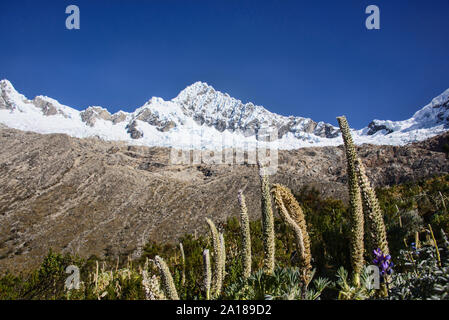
183 262
355 203
267 222
207 273
376 234
151 287
167 280
292 214
217 278
246 236
223 256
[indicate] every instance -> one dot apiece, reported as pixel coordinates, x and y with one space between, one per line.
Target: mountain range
201 117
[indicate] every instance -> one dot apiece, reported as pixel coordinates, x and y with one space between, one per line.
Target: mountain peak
441 99
9 95
198 85
5 82
6 85
195 89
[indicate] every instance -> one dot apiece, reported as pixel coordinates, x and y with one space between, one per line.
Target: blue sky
304 58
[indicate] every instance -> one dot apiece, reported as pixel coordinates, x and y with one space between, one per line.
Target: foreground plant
167 280
292 214
425 276
282 284
207 273
375 233
349 291
384 263
151 286
223 256
355 203
217 278
183 263
267 222
246 236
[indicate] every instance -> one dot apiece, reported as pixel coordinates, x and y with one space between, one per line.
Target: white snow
203 101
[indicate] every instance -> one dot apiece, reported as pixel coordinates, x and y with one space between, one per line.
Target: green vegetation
407 208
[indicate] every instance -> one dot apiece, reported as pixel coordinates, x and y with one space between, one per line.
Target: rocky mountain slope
90 196
204 118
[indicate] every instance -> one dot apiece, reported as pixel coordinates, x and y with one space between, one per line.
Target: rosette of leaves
282 284
348 291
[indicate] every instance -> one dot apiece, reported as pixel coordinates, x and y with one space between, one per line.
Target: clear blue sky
305 58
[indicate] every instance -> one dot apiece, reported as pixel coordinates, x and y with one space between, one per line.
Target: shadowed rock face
89 196
374 128
91 114
47 108
133 131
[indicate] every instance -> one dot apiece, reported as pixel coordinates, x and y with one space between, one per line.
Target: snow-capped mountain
201 117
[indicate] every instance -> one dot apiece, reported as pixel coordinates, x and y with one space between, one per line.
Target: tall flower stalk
292 214
375 233
435 245
167 280
246 236
151 287
355 203
223 256
267 222
207 273
217 278
417 241
183 262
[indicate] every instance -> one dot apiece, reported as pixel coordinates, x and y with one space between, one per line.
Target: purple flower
383 262
414 249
